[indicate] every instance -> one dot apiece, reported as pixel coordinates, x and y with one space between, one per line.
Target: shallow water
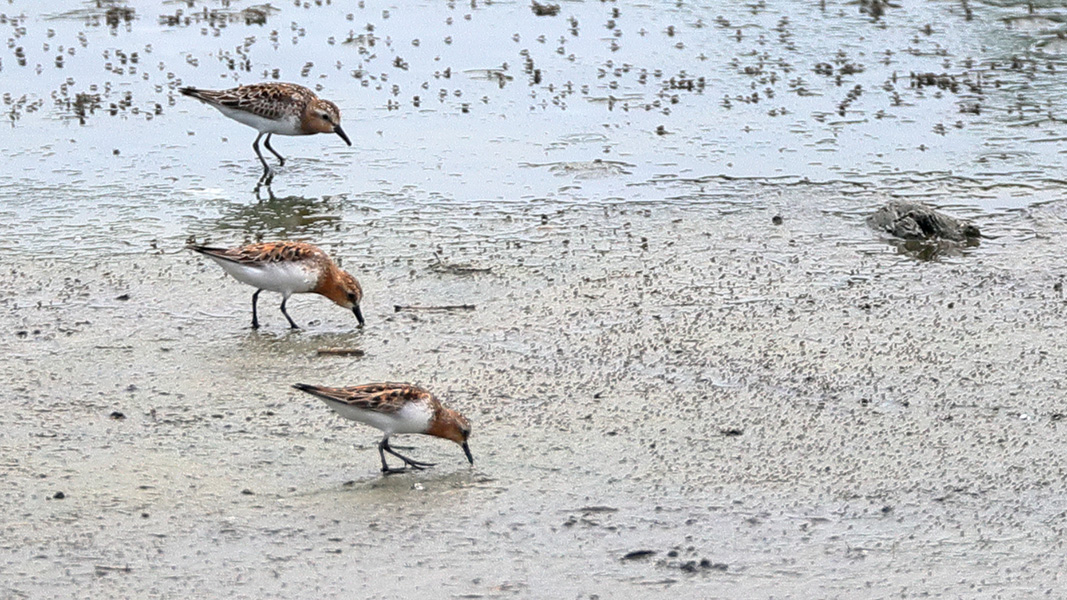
800 410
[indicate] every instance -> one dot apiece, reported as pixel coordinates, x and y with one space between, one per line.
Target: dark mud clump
544 10
916 221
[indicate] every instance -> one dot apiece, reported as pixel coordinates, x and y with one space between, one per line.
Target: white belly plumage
413 418
285 278
289 125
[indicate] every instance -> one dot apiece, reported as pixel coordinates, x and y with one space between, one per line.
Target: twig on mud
398 307
339 352
457 269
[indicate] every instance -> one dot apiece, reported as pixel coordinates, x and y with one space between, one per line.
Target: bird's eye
325 117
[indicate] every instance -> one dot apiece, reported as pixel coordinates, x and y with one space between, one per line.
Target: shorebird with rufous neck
287 268
396 408
274 108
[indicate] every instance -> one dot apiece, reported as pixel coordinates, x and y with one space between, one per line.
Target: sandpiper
282 108
396 408
287 268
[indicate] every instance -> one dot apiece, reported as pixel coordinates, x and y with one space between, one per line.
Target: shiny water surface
693 370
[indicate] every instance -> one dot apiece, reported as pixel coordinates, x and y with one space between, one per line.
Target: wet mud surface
692 368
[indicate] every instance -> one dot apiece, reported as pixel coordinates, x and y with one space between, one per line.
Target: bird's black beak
341 132
359 314
467 451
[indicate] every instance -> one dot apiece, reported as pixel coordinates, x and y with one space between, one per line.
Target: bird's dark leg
255 146
292 323
266 142
264 182
383 447
255 317
386 469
